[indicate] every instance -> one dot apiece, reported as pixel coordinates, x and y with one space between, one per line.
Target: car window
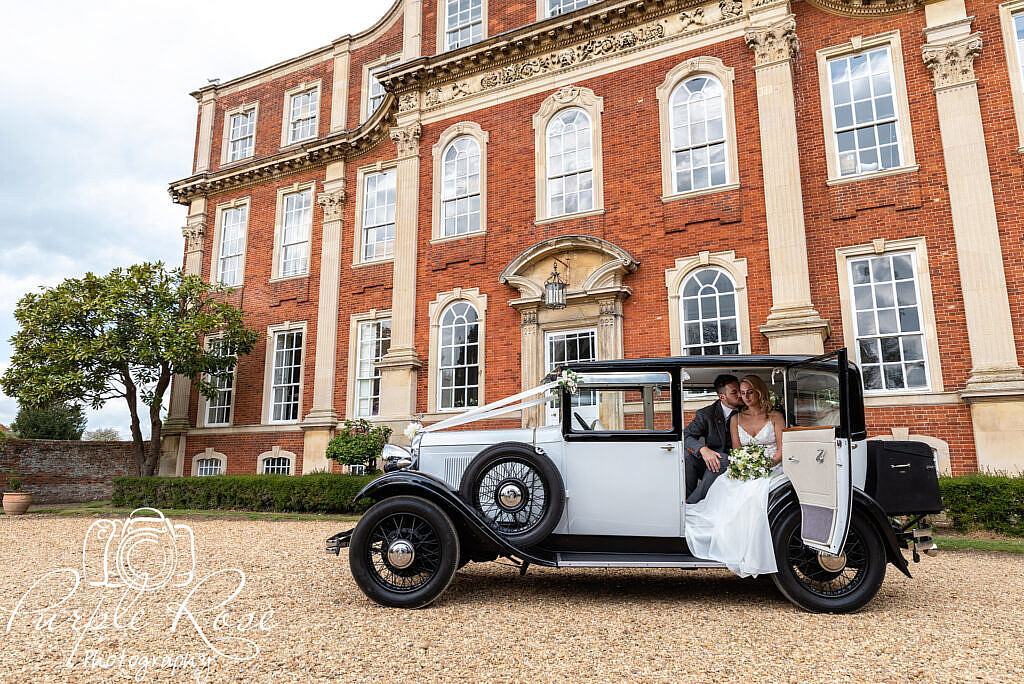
615 406
814 397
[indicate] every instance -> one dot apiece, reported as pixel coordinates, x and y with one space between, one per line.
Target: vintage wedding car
604 487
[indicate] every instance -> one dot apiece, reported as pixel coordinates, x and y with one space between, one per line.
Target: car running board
576 559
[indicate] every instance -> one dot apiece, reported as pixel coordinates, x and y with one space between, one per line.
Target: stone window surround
204 402
450 134
286 113
276 452
1007 10
710 66
860 44
568 97
279 229
357 223
217 225
436 308
364 95
919 248
209 453
735 268
353 354
226 137
442 16
268 370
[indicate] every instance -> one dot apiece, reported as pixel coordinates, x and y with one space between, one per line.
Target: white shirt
726 411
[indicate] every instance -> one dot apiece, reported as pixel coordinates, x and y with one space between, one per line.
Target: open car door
816 448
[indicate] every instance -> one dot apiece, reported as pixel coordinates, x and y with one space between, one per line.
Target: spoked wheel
404 552
516 490
821 583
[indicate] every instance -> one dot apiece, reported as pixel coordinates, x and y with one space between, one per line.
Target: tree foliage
102 435
123 336
57 420
358 442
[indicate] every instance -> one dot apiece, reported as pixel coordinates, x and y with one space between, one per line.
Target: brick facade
57 471
915 203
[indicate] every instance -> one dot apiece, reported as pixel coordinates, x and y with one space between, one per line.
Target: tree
56 420
102 435
124 335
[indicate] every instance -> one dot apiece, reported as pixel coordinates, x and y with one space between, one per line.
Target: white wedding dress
730 524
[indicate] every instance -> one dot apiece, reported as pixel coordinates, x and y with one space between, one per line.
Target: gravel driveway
960 619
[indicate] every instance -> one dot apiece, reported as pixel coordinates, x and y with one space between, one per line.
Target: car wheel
516 490
404 552
820 583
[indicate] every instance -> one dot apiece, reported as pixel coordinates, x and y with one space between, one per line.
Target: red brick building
732 176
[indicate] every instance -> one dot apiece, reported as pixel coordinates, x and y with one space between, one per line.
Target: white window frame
276 454
926 310
551 412
434 310
736 268
442 25
568 97
209 455
351 398
218 236
544 7
450 135
206 403
359 245
268 383
455 200
441 346
701 320
375 324
225 153
286 117
279 233
204 464
382 63
1008 11
905 136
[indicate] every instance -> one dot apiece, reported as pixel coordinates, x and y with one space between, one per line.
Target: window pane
708 311
378 215
698 134
458 367
287 371
864 112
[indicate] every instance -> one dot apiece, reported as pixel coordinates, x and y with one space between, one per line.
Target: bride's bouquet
749 462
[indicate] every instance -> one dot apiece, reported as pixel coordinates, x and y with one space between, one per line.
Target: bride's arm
779 422
734 433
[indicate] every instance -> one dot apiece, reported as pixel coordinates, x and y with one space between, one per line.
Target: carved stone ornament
731 8
408 102
194 234
566 94
407 138
333 203
529 317
692 18
866 8
952 64
775 43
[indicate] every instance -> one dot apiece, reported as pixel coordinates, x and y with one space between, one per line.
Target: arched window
708 312
209 466
277 465
699 159
570 163
459 365
461 191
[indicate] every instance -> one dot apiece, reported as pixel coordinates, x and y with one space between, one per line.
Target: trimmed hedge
313 493
991 502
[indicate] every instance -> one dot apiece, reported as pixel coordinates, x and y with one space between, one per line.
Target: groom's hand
711 458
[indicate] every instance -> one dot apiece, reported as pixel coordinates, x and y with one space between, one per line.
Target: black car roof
730 361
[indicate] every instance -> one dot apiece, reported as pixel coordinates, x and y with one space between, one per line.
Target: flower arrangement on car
749 462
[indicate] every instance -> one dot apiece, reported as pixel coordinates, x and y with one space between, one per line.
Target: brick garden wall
58 471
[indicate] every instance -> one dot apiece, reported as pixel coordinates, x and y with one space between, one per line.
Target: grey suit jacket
708 428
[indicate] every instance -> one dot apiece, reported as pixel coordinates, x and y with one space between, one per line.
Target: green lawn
959 543
100 508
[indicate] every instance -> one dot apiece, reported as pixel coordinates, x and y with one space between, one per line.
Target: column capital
407 138
332 202
194 233
952 63
774 43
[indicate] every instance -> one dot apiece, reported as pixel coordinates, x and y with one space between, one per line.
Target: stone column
793 326
207 112
532 361
177 423
412 38
339 91
400 365
995 389
322 417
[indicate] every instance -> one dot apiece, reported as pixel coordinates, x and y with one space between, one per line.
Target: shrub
13 482
358 442
990 502
313 493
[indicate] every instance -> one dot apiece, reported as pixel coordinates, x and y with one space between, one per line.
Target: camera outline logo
145 530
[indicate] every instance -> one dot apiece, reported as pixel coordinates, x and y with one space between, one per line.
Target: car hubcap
826 575
512 495
832 563
401 554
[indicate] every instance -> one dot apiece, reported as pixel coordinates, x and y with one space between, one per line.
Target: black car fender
413 483
784 498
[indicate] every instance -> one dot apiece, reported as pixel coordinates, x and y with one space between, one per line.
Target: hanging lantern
554 290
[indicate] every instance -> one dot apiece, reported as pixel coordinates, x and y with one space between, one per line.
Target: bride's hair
762 390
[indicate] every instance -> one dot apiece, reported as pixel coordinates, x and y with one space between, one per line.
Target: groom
707 439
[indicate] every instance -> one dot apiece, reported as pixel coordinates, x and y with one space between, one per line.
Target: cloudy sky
96 120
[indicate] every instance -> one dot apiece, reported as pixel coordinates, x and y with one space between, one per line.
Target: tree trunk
152 459
131 397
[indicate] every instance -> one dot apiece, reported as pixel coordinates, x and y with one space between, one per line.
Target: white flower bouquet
569 381
750 462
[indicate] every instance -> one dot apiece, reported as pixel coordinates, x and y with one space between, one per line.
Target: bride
730 524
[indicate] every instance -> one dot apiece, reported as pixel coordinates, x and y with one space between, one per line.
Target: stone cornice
952 64
316 153
866 8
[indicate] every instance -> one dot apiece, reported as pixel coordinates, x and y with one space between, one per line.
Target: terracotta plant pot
16 503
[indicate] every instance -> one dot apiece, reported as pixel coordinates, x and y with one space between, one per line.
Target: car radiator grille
454 467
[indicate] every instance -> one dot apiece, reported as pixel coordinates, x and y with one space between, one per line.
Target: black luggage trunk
903 478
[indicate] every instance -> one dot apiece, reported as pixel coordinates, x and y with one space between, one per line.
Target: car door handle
668 447
794 460
820 458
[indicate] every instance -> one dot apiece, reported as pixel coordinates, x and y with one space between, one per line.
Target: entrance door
816 448
569 346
